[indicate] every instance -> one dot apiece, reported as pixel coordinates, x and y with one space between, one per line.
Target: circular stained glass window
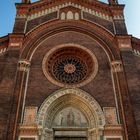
69 66
70 70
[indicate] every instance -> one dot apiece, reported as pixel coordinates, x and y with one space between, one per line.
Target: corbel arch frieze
104 38
71 97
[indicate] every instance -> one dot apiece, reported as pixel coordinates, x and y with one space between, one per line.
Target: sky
132 16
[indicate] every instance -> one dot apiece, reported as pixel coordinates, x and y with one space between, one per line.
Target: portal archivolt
72 111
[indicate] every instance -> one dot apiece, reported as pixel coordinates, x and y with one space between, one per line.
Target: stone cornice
96 8
90 4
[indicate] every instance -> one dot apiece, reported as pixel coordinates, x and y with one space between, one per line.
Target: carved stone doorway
70 114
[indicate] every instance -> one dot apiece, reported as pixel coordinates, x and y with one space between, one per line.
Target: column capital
23 65
116 66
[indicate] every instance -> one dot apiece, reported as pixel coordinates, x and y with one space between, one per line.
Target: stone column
123 99
18 99
47 134
92 134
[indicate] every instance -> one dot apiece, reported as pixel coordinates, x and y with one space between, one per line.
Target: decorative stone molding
77 93
40 129
92 134
67 4
47 134
84 55
14 44
69 16
136 52
28 132
118 17
116 66
3 50
71 98
21 16
15 41
23 65
125 46
113 130
124 42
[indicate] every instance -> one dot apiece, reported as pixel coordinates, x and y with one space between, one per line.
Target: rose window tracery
69 70
69 66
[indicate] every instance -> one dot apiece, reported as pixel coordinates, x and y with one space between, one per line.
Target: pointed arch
70 15
63 16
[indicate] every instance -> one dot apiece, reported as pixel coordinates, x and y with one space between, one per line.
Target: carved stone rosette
116 66
23 65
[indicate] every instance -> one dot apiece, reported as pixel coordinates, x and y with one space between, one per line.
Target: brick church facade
69 71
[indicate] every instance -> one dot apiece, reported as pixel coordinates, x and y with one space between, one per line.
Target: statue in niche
61 119
70 118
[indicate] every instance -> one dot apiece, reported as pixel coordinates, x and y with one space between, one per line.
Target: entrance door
70 138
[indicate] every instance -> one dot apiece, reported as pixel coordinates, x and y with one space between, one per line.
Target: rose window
69 66
70 70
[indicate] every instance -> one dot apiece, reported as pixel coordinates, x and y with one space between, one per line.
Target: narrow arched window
63 16
76 16
70 15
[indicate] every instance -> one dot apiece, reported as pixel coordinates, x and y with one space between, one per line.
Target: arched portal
70 113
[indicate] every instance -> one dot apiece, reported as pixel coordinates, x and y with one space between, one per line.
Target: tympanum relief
70 117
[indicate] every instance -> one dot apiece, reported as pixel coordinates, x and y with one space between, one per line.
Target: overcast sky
132 16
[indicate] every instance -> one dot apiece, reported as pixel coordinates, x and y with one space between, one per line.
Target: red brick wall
39 87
